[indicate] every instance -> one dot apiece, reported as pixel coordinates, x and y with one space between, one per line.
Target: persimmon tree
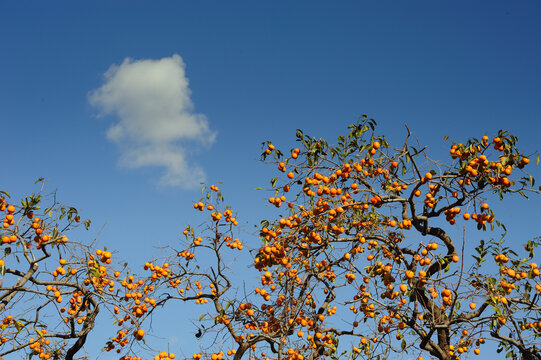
370 251
53 288
375 252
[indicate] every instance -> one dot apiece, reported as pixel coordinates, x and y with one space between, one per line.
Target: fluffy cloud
156 121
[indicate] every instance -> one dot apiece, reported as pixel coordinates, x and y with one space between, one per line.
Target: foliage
369 257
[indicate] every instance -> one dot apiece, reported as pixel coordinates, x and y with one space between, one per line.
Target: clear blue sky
257 71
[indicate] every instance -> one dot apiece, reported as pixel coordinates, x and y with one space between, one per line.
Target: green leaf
202 317
537 160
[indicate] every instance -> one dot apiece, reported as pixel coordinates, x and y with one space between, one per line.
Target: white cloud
151 99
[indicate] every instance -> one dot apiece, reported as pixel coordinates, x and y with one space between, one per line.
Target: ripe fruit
139 334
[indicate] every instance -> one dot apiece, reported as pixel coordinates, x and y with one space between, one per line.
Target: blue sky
257 71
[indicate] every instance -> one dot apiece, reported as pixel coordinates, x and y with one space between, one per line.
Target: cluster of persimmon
37 225
430 200
216 215
269 255
40 238
9 239
186 254
139 306
447 297
263 293
158 271
164 356
269 149
105 256
363 297
97 274
121 339
501 258
56 292
277 201
477 165
8 219
364 346
233 243
530 270
396 187
38 347
214 356
293 354
139 309
139 334
536 325
76 307
139 303
463 346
